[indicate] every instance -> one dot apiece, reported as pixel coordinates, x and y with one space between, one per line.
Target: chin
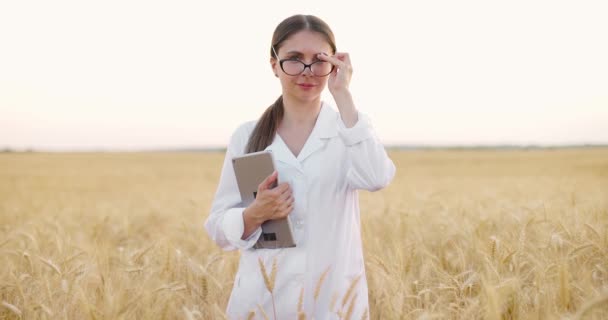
309 98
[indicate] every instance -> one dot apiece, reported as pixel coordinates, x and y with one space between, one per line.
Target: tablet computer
250 170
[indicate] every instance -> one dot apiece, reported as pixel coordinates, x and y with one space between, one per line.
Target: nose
309 73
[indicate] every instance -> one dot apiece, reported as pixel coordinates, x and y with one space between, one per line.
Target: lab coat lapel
281 153
325 127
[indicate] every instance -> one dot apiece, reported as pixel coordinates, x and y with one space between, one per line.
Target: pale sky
171 74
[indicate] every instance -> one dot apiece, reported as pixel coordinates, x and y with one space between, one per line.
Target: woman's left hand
339 79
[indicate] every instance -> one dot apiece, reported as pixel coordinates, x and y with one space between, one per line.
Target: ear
274 65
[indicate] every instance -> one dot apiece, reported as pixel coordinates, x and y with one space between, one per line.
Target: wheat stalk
564 287
138 256
269 281
493 245
599 301
580 248
592 229
204 288
4 242
365 315
273 273
218 311
263 312
26 255
492 303
320 283
351 307
12 308
350 290
50 264
300 300
44 308
334 299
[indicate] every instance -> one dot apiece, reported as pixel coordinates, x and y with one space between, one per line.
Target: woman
322 158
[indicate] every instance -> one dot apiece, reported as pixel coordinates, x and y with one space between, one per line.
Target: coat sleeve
369 166
225 224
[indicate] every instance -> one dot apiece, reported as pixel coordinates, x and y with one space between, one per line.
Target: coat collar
325 127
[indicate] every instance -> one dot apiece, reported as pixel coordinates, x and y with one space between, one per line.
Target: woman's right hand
269 204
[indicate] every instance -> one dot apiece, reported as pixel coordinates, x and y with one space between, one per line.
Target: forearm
250 222
346 106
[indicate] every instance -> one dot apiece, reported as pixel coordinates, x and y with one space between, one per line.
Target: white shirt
333 164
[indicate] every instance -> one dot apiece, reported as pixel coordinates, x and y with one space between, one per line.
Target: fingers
277 202
343 56
283 203
276 195
281 188
268 182
333 60
340 76
284 209
340 59
285 196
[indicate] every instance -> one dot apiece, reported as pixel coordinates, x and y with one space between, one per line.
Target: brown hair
267 125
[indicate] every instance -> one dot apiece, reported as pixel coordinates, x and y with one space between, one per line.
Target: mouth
306 85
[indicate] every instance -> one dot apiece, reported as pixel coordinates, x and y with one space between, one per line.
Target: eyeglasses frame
309 66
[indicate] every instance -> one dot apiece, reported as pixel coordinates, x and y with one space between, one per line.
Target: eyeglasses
294 67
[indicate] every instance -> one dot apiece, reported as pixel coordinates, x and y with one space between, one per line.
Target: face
304 46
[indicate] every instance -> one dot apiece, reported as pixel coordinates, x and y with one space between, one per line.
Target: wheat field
459 234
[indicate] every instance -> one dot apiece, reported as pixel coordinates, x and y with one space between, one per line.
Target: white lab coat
334 163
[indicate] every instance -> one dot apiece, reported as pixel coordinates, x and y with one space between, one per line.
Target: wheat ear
320 283
263 312
300 300
269 284
351 307
269 280
350 290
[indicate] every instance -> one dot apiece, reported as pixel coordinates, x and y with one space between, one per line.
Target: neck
300 113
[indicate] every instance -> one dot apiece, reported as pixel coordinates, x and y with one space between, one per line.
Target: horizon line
500 146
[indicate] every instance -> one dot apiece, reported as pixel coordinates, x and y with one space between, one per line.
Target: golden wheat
300 301
301 315
350 290
457 235
351 307
269 280
263 312
320 283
